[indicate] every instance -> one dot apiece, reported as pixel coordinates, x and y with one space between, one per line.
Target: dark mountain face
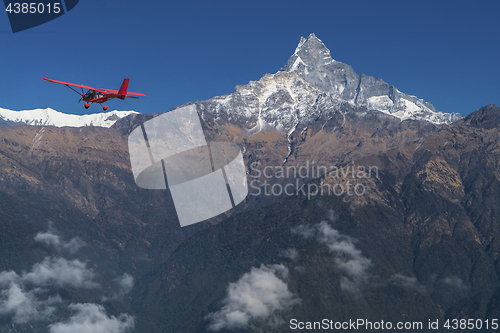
86 174
67 184
421 243
487 117
414 239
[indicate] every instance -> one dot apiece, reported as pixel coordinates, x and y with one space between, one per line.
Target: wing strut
75 90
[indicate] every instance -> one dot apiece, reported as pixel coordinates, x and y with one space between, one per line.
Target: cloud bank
33 296
20 295
23 305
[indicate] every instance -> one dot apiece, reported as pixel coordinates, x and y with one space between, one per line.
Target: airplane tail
124 87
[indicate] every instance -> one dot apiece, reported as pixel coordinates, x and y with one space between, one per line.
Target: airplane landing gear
87 105
105 108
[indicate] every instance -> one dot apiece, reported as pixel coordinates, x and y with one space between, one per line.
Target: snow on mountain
312 61
311 86
50 117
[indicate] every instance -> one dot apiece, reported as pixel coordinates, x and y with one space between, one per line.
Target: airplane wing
135 94
128 93
70 84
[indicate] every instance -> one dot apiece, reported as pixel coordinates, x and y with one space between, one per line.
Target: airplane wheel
105 108
87 105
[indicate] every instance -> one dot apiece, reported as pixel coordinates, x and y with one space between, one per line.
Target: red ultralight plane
94 95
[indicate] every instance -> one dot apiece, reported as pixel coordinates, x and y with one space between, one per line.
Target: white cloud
304 230
330 215
61 272
92 318
292 254
6 277
348 258
73 245
257 295
32 296
406 282
50 238
126 283
20 294
23 305
456 282
300 269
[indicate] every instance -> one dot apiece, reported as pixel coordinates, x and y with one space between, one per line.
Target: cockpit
92 94
89 94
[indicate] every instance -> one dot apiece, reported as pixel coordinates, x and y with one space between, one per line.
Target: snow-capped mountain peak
312 43
309 59
51 117
312 61
313 86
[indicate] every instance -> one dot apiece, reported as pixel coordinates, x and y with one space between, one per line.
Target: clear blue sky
446 52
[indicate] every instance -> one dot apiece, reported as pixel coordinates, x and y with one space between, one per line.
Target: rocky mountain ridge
313 62
421 243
